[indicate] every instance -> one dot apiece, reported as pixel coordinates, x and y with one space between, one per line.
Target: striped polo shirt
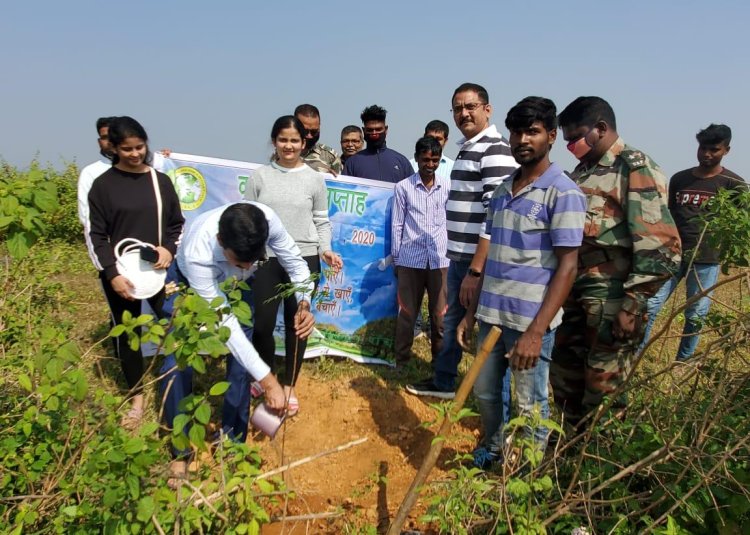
549 212
482 163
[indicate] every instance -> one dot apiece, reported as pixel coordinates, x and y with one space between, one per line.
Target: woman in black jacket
126 202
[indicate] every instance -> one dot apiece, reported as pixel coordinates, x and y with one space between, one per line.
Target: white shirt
89 173
201 260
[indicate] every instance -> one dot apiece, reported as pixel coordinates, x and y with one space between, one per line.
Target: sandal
292 406
178 470
132 419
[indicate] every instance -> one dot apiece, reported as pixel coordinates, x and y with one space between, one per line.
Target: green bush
63 224
26 198
67 465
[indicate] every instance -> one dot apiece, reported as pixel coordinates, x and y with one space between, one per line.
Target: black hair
476 88
307 110
104 122
351 129
714 134
427 144
287 121
121 128
529 110
437 126
243 228
587 111
373 113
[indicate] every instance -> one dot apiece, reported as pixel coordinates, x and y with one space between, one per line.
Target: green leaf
69 352
53 403
437 440
115 456
70 511
46 198
81 388
179 423
111 497
19 243
203 413
146 508
143 319
518 487
219 388
197 435
25 382
133 486
117 330
198 364
134 445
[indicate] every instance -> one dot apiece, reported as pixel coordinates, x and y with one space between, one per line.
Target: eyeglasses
313 132
470 107
351 141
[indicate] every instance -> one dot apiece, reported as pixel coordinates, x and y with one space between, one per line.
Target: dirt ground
366 482
341 401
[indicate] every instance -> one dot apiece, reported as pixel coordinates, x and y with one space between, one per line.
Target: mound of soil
367 481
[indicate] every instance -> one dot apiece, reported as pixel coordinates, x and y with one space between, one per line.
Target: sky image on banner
355 309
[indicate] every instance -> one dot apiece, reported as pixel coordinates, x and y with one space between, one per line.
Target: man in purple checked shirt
419 242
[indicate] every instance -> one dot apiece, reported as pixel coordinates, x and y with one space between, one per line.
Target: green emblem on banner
190 186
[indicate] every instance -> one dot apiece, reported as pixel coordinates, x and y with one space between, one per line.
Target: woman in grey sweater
299 196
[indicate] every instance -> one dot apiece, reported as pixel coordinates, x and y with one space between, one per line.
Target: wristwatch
474 273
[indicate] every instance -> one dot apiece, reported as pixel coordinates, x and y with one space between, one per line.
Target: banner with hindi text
355 309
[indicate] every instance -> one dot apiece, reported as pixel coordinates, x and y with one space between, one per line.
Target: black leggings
267 277
131 361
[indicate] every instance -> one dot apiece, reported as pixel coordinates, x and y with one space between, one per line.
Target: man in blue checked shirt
419 242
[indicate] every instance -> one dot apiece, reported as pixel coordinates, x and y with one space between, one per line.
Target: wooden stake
437 445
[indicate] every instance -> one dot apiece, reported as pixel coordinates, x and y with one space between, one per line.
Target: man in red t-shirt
688 191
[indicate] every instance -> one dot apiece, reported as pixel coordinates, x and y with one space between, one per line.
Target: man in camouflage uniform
320 157
630 247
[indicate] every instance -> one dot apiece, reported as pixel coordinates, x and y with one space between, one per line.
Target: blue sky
209 78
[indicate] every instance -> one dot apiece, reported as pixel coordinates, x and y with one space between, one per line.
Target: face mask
376 139
581 147
310 143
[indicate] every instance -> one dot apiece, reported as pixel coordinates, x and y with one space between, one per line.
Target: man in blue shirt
376 161
439 130
419 243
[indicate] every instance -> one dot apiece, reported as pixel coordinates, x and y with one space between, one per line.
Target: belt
595 257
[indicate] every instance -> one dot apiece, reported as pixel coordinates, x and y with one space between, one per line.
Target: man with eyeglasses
484 161
376 161
352 141
320 157
630 247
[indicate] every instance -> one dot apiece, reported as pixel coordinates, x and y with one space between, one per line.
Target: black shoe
429 388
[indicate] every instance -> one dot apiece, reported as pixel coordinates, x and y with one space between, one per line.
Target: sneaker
429 388
484 458
256 390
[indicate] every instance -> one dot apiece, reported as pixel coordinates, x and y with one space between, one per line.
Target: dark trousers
267 278
412 283
235 413
130 359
